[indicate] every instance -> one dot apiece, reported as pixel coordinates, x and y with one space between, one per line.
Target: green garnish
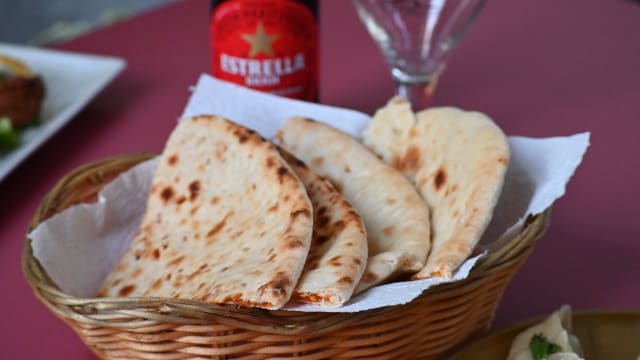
541 347
8 136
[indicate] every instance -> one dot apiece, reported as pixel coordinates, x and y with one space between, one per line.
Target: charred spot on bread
194 189
410 161
323 220
294 244
369 277
126 290
176 261
335 261
321 239
301 212
282 171
156 284
167 193
337 185
440 179
219 225
278 286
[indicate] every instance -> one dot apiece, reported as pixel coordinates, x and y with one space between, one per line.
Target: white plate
71 80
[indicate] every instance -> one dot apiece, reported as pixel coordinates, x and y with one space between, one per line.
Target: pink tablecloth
539 68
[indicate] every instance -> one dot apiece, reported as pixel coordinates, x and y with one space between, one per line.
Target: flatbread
227 222
338 253
396 218
457 160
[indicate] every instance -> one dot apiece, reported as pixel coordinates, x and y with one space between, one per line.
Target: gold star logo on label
260 41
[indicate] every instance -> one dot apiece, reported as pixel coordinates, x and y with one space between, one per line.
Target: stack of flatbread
233 218
457 160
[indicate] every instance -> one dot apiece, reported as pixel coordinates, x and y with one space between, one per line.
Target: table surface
539 68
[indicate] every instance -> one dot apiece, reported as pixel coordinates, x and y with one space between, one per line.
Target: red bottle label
267 45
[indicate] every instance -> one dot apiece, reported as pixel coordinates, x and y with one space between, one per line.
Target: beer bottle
267 45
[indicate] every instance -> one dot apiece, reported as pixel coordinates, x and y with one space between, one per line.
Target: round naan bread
227 222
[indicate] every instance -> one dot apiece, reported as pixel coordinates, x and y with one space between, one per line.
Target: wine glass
415 38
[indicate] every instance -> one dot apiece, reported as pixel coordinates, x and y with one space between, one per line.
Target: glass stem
420 95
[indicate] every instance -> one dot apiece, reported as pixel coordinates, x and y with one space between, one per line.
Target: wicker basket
429 327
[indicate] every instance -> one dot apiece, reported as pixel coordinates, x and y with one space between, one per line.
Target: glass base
420 95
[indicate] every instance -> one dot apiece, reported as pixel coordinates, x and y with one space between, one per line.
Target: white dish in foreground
604 334
71 80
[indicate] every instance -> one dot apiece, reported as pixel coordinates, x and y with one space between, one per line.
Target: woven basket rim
107 311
